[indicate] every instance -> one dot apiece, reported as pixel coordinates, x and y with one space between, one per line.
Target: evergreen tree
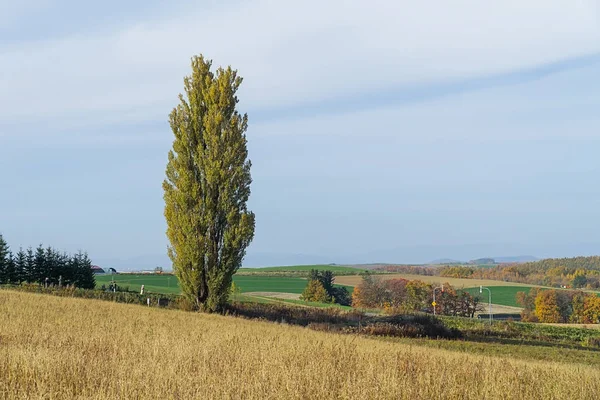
75 270
315 291
64 270
11 271
4 260
207 185
339 295
40 272
20 265
50 265
84 278
29 271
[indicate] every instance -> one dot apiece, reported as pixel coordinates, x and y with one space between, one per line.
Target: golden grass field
459 283
60 348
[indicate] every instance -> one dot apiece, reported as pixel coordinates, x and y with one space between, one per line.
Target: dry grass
276 295
458 283
55 348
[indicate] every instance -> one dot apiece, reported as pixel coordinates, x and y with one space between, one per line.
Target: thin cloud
291 53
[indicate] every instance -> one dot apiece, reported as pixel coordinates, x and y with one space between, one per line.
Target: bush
315 291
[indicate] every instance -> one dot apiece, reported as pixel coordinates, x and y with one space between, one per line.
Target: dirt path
499 309
278 295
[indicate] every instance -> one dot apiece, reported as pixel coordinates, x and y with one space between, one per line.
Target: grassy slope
65 348
503 295
167 283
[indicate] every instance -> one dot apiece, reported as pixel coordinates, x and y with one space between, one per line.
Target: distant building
97 270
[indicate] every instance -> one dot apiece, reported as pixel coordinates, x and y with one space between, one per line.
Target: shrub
315 291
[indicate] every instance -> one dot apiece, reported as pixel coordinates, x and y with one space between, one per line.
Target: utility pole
490 301
434 302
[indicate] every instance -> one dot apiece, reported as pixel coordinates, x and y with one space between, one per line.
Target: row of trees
402 295
574 273
408 269
561 276
45 266
456 272
320 288
559 306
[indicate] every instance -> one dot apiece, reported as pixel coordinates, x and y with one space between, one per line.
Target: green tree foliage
315 291
29 273
207 185
5 257
84 275
45 266
338 294
21 265
579 281
12 275
39 265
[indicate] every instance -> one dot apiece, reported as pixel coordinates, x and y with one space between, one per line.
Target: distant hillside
445 261
483 261
486 260
515 259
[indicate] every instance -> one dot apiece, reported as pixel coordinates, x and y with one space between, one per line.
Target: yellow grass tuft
56 348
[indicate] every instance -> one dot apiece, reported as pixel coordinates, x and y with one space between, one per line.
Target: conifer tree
29 271
87 279
20 265
4 260
207 185
40 272
11 271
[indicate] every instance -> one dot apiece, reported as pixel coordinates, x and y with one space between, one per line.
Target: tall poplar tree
207 185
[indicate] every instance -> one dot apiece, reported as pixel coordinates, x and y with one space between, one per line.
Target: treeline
320 288
402 295
559 306
572 273
408 269
45 266
457 272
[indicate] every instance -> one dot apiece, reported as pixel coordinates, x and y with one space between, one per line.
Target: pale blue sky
392 132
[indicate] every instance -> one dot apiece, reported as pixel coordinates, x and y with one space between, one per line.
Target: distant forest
573 273
577 272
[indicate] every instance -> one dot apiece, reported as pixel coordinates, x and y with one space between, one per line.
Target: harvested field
61 348
278 295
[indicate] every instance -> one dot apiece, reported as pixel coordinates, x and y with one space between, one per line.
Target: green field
167 283
502 295
270 284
